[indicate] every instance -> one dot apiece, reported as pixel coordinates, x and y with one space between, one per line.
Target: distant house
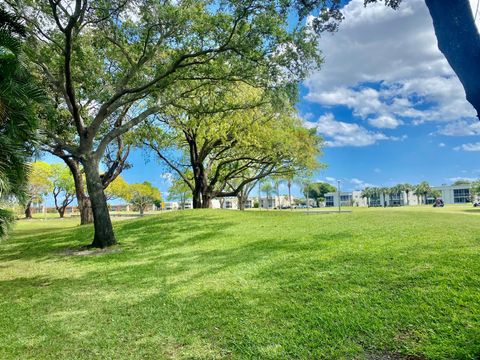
275 202
170 205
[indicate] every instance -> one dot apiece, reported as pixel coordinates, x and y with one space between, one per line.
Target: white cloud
441 145
457 178
386 67
468 147
167 177
360 184
339 133
461 128
385 122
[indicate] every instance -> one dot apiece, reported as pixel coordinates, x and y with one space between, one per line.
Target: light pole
338 191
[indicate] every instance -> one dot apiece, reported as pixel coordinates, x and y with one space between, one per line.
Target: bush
6 221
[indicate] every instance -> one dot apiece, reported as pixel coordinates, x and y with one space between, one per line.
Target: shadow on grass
186 287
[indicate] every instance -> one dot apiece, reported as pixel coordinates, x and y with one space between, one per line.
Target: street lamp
338 191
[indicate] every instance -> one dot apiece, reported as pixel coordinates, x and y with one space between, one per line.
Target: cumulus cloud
468 147
360 184
339 133
385 66
461 128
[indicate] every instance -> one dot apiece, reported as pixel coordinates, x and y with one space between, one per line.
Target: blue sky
386 101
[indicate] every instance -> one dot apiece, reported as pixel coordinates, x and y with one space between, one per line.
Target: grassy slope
225 284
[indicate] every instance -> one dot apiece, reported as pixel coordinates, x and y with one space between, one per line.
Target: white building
450 194
170 205
453 194
275 202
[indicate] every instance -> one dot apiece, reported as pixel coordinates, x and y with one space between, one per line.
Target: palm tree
408 188
367 193
267 188
385 191
18 122
422 190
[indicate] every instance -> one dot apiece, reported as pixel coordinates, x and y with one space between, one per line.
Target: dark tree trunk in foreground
196 199
28 210
61 212
459 40
104 235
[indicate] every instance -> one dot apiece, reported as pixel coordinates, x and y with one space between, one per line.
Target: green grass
254 285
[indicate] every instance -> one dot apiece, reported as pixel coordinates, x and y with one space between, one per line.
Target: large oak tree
105 60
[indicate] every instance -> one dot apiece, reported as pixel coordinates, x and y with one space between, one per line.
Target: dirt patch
86 251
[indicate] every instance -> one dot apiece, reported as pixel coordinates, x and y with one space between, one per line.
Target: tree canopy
317 190
109 66
143 194
220 140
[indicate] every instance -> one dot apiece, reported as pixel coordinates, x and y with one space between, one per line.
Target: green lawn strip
226 284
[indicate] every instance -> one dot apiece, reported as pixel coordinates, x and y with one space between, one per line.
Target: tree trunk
459 41
241 200
289 185
196 198
206 201
85 208
142 210
83 201
104 235
28 210
61 212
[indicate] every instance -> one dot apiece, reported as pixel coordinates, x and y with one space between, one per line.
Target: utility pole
338 190
259 193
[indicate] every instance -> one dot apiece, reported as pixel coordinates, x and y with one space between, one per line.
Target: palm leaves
18 98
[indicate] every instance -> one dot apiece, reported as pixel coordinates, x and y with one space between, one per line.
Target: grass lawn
212 284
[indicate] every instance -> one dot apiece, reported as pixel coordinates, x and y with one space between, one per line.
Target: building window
345 200
461 196
396 199
228 204
329 201
375 201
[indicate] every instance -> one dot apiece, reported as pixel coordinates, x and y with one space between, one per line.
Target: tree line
423 191
56 180
217 106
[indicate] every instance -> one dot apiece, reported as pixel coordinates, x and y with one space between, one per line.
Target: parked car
438 203
476 204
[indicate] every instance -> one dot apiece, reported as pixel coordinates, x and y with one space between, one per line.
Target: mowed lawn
212 284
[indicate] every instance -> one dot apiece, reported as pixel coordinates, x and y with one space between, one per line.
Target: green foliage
142 195
475 187
422 190
6 221
178 190
39 181
18 99
63 187
234 136
62 178
462 182
317 190
118 189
